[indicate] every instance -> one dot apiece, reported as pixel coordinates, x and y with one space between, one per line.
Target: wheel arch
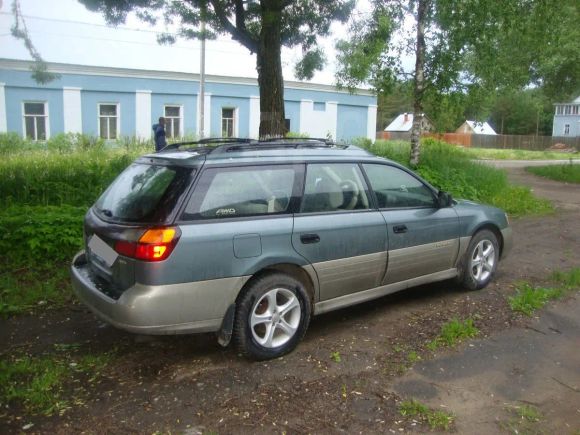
494 229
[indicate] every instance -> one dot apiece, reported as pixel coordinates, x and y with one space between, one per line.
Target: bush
449 168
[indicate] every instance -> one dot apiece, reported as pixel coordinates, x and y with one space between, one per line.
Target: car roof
245 151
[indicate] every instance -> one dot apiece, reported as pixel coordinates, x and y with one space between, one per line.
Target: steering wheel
350 193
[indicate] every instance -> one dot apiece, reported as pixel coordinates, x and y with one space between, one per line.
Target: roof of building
480 127
403 122
67 68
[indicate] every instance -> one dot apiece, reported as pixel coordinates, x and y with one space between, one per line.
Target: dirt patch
190 384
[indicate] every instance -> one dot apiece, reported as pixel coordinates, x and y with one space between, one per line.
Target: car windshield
143 193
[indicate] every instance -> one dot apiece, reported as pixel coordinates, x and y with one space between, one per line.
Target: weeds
510 154
452 333
569 173
528 299
437 420
335 356
38 383
451 169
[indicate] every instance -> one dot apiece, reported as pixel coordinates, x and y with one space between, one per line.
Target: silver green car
251 239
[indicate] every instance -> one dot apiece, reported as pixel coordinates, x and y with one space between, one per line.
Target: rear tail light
156 244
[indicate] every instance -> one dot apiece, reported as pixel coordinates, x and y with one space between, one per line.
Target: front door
338 232
422 238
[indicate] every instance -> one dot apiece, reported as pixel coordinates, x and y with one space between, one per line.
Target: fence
508 141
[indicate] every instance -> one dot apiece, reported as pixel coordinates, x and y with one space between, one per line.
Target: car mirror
444 199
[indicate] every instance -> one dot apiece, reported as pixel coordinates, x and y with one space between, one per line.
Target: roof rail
208 141
325 141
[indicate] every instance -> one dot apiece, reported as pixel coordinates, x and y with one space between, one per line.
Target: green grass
453 332
569 173
528 298
437 420
452 170
38 383
509 154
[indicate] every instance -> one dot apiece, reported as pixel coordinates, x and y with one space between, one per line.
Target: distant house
475 127
404 122
567 119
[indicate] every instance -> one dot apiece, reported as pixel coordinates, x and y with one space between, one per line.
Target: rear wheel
481 258
272 316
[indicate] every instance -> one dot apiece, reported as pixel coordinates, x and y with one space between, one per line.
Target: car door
422 238
338 231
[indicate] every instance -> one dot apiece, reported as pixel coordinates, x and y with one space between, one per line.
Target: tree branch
240 34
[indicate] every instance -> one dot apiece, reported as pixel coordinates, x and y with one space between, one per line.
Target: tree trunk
269 66
422 7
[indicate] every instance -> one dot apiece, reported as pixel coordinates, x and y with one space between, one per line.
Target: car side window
244 191
334 187
395 188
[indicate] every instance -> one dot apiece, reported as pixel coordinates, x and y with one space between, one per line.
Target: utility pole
202 77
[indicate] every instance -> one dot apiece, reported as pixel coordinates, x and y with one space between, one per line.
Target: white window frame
180 106
566 129
235 129
118 117
46 120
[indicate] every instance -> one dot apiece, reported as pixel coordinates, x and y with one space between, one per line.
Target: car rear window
143 193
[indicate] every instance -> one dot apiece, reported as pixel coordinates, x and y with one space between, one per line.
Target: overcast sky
65 31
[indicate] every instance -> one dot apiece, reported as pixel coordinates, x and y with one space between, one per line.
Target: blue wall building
116 102
567 119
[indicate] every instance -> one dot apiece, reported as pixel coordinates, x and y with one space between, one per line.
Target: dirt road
352 369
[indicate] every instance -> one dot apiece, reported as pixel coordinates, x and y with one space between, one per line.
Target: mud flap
225 332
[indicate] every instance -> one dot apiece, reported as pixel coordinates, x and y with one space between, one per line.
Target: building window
574 110
228 122
108 120
35 120
320 107
566 129
173 121
287 124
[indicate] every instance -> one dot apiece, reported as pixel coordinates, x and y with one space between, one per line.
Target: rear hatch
146 195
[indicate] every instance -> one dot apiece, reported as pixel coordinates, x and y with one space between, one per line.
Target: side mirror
444 199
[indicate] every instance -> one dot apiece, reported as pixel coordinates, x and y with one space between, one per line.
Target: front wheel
481 259
272 316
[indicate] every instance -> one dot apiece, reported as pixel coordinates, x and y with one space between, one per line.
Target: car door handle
400 229
309 238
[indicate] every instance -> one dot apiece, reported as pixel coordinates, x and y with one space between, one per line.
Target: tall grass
568 173
447 167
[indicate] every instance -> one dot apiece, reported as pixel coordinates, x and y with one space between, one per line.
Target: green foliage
569 173
528 299
437 420
569 279
453 332
451 169
37 383
335 356
509 154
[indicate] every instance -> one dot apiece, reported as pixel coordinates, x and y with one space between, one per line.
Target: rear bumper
158 310
507 245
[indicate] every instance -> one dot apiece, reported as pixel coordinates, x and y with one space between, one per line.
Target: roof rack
232 144
208 141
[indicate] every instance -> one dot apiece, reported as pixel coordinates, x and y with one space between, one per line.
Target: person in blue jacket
159 134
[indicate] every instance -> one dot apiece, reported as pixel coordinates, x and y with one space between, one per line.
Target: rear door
338 231
423 239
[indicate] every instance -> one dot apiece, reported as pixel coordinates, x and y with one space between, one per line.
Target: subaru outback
250 239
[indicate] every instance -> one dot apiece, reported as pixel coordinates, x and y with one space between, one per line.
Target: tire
272 316
480 261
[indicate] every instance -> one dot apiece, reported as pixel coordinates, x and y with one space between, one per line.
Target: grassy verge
437 420
452 333
569 173
449 168
528 298
39 384
508 154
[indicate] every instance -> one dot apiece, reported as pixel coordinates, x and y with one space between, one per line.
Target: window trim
181 117
423 182
235 120
46 119
118 118
196 195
